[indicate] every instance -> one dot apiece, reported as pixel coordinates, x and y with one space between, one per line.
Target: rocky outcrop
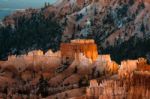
73 49
117 89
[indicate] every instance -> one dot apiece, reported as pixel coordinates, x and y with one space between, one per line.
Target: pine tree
43 87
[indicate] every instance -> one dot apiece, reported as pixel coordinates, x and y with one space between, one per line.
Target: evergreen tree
43 87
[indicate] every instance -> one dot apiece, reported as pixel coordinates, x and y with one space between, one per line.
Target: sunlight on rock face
84 64
84 61
34 58
75 47
117 89
104 63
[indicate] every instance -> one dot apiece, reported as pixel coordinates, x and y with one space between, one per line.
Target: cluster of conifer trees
36 32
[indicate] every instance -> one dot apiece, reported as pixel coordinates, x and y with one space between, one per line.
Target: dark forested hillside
132 49
35 32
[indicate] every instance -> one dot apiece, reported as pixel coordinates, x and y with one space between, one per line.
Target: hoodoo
75 47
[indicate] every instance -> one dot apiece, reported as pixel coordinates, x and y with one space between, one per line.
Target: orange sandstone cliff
73 49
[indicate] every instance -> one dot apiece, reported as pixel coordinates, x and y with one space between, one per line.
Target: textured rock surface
73 49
